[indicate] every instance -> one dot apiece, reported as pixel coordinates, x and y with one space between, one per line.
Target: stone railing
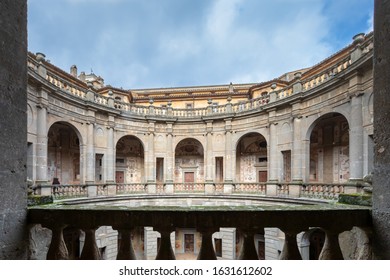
189 187
326 191
292 220
65 85
250 188
326 74
131 188
69 191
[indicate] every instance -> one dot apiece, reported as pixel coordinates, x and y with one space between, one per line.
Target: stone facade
13 31
320 133
309 126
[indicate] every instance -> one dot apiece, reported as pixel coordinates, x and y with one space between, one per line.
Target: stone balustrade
253 188
292 220
65 85
326 191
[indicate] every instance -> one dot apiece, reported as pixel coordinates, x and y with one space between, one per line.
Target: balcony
292 219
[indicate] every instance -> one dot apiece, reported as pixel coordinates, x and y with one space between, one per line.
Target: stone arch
64 153
238 136
328 150
311 123
189 161
251 158
129 160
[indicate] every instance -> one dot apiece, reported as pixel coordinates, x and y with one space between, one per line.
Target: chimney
73 71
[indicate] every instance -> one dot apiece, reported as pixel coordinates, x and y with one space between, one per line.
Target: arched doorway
251 159
63 157
329 149
129 163
189 161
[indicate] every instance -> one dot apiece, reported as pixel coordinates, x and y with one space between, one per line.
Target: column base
294 188
228 187
44 188
356 188
111 188
151 188
209 188
169 187
91 189
272 188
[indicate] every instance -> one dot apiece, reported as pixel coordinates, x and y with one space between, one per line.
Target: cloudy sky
168 43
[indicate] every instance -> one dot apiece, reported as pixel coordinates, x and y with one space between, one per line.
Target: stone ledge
356 199
34 200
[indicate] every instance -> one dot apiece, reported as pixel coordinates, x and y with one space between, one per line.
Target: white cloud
221 18
173 43
370 22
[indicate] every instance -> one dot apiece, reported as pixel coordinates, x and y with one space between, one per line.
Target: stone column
41 149
170 161
150 164
209 187
356 155
228 185
381 178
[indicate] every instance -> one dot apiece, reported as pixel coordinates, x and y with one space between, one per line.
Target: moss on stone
356 199
34 200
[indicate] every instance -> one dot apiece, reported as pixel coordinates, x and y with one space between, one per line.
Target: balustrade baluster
90 249
290 248
165 251
207 249
331 249
248 250
57 249
125 250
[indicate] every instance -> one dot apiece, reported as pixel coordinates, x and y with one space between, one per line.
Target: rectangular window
159 170
219 169
286 166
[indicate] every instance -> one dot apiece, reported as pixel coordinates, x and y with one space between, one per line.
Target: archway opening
63 163
329 149
129 163
251 159
189 161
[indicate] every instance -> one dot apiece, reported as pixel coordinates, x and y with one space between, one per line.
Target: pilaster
273 178
150 163
228 185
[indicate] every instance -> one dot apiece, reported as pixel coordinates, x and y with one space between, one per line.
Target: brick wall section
13 126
